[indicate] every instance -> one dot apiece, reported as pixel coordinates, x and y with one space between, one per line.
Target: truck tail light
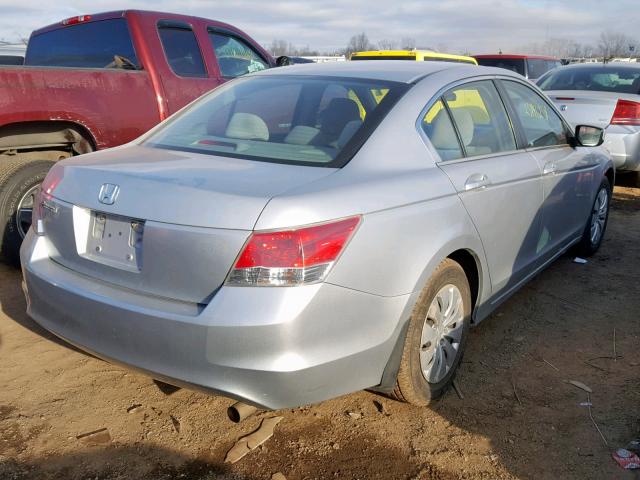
75 20
291 257
626 113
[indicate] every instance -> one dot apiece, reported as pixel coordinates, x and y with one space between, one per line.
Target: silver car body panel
283 346
582 107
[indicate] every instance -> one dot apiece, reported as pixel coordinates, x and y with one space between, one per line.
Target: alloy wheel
442 334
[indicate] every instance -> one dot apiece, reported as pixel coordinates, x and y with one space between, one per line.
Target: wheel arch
47 134
611 175
467 252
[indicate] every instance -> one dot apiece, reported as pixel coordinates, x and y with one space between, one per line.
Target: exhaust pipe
240 411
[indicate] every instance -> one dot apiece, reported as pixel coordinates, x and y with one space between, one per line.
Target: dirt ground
519 417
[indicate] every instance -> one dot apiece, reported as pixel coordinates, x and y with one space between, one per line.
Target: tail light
626 113
291 257
43 199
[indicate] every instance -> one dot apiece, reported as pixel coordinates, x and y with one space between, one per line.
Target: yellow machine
415 55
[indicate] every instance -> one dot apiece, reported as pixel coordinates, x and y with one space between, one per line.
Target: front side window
181 50
542 126
100 44
285 119
235 57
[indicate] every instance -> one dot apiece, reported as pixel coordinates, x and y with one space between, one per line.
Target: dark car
529 66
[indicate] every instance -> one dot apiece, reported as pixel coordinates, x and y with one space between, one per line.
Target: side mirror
588 136
283 61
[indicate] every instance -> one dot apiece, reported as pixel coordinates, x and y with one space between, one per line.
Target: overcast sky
477 26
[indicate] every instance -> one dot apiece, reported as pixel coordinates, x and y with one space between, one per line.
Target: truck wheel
19 179
436 336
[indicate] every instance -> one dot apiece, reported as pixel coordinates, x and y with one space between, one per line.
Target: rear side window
103 44
480 118
437 125
181 49
542 126
235 56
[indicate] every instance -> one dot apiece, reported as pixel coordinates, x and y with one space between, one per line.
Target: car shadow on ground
560 327
118 462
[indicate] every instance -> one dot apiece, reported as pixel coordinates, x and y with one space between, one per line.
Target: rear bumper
624 145
272 347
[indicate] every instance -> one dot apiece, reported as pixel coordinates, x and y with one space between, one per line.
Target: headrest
247 126
338 113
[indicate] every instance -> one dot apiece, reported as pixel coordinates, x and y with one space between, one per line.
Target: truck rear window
101 44
513 64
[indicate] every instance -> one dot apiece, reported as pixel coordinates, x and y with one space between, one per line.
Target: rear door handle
549 168
476 181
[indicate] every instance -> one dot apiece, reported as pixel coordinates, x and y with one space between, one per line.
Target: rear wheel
19 180
436 336
597 222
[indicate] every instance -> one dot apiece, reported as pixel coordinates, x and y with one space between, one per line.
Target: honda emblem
108 193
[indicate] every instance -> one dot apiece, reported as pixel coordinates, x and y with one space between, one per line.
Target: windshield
303 120
513 64
602 78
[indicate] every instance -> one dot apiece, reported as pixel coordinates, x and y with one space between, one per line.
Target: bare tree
279 47
408 43
358 43
614 44
386 44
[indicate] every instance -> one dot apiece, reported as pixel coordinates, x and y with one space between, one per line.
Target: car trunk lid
161 222
581 107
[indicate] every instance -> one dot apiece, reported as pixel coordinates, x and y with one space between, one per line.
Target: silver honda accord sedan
309 231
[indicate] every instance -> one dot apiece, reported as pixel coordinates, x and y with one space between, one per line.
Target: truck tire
436 337
18 179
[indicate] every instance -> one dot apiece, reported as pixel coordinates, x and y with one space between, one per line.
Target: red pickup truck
97 81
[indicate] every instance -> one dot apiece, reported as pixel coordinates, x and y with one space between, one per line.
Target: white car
606 96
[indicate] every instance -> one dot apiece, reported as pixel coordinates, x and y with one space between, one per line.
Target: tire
17 177
587 246
412 386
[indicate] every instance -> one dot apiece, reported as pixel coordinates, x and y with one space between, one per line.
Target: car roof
389 70
618 65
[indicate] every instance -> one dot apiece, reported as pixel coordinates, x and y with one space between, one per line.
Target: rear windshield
102 44
320 121
384 57
537 67
600 78
513 64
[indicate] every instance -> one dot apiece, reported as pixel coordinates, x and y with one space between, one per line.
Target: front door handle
476 181
549 168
